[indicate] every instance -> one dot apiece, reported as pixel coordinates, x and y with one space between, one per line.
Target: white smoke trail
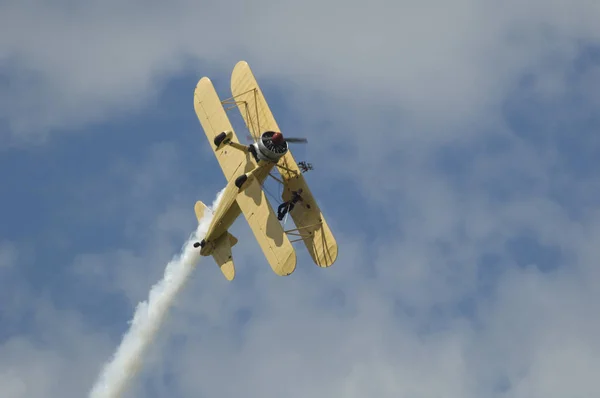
149 316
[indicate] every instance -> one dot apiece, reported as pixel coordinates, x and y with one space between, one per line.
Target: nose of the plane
277 138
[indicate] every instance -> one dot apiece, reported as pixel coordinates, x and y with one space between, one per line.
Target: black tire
200 244
219 139
240 180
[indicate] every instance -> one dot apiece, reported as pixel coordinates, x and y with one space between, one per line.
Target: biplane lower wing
214 121
273 241
310 223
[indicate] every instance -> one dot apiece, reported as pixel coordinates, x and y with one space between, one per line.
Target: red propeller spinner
277 138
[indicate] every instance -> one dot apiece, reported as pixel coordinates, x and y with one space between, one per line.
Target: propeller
278 138
298 140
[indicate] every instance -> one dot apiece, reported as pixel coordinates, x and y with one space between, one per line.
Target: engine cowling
268 150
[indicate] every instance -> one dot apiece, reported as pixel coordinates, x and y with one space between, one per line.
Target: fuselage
228 210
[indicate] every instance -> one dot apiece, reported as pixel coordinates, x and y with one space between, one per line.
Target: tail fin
221 251
199 208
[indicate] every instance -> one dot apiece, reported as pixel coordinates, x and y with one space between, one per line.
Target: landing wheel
219 139
200 244
241 180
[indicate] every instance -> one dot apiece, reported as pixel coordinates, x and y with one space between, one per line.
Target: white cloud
393 332
8 255
59 358
389 318
435 65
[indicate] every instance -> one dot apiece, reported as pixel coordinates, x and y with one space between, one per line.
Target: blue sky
455 151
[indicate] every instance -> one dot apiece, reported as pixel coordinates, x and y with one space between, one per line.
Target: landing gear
241 180
220 138
252 150
199 244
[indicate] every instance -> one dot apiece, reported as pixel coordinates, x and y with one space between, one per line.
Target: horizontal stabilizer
221 247
222 255
232 239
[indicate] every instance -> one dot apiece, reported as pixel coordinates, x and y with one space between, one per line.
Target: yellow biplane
246 167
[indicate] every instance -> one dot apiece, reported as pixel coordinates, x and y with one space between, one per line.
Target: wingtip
328 256
289 266
239 71
230 277
228 270
204 81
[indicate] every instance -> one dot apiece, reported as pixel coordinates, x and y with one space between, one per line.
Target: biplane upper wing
252 201
310 222
273 241
214 120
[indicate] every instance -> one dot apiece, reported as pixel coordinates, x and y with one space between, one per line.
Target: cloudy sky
456 152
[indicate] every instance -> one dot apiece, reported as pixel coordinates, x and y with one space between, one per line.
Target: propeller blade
303 140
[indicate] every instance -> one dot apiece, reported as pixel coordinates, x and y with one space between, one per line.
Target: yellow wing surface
214 120
273 241
307 215
252 201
